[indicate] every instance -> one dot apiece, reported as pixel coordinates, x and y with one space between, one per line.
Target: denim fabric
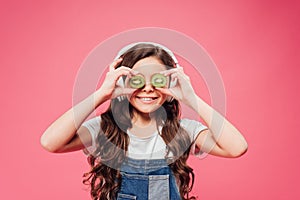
147 180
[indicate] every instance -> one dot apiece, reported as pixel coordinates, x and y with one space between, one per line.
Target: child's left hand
183 90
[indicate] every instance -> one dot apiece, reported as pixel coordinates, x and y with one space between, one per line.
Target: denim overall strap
147 180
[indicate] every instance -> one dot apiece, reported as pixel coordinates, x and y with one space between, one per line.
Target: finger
120 91
124 75
179 77
128 91
169 72
117 92
119 74
124 71
174 77
118 80
113 65
124 68
180 68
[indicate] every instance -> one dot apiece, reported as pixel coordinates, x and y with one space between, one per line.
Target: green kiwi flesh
158 80
137 82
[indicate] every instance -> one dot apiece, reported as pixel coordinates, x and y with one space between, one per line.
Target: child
138 148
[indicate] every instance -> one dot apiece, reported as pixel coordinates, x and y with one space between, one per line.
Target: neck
143 119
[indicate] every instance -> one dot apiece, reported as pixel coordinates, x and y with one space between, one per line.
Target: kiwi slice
158 80
137 82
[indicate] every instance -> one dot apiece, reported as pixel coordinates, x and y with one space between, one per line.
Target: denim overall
147 180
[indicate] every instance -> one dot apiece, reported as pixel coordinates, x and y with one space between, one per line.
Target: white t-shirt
152 147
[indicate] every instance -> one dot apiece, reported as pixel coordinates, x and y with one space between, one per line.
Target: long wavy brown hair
104 177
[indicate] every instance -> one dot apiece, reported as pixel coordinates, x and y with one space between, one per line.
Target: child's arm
221 138
62 135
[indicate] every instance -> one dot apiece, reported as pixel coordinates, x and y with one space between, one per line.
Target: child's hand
110 88
183 90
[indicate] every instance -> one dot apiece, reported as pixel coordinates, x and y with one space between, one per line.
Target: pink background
255 45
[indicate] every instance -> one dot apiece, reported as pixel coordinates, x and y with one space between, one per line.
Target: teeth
146 99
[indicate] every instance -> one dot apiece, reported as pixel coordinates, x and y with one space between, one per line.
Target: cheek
163 98
131 96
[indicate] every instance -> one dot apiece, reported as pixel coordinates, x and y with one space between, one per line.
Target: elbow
239 151
47 145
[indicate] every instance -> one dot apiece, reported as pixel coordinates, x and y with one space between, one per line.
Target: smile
147 99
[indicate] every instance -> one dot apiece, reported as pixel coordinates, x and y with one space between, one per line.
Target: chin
147 111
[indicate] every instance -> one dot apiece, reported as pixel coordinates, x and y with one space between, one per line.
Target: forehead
149 65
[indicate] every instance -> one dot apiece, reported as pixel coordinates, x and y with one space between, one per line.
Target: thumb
120 91
128 91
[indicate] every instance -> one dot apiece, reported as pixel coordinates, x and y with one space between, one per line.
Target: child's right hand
110 89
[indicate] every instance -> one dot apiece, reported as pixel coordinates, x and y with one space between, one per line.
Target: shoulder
193 127
185 122
93 121
93 124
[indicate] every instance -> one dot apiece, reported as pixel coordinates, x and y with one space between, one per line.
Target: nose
148 87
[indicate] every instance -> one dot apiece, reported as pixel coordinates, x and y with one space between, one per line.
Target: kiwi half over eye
158 80
137 82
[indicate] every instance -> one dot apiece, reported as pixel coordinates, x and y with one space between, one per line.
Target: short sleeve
193 128
93 125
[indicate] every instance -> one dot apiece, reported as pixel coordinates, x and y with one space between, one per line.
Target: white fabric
152 147
127 47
